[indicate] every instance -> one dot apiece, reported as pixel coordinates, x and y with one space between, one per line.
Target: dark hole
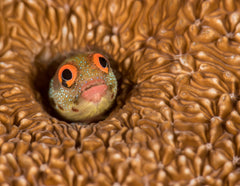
103 62
66 75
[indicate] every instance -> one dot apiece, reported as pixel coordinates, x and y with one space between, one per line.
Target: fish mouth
94 90
91 84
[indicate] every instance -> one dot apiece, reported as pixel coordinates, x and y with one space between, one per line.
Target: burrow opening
47 68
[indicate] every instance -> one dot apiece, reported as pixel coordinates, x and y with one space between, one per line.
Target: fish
83 87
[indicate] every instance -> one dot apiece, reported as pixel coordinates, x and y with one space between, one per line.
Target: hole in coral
47 70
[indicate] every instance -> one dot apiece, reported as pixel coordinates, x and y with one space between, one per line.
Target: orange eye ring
101 62
67 74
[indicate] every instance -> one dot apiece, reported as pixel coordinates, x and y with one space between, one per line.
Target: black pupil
66 75
103 62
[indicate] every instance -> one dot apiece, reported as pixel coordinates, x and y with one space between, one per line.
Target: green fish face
83 87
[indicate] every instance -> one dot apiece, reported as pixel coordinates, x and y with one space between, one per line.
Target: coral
178 124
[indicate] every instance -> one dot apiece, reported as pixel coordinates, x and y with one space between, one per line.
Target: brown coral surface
179 124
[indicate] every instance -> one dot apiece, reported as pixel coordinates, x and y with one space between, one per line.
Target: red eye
101 62
67 75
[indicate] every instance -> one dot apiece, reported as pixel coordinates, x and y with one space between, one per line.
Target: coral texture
179 123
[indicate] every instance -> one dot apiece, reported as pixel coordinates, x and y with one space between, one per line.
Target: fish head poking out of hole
83 88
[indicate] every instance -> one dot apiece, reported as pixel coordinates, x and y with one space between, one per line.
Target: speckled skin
69 102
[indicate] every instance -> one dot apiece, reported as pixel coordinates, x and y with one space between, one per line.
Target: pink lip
92 83
94 90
